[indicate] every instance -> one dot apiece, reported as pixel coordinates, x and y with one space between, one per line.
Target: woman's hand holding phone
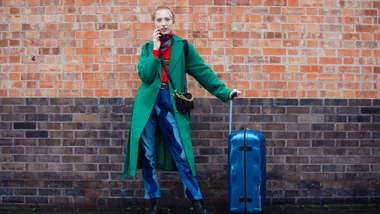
156 39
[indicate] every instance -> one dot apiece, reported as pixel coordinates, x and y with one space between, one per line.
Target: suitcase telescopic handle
230 121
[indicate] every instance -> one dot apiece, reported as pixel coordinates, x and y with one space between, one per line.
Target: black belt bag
183 101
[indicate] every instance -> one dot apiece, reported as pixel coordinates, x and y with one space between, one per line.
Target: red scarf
166 41
165 38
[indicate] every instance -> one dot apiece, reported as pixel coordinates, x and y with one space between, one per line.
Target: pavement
270 209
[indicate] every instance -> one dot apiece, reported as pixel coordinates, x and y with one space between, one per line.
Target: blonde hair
164 8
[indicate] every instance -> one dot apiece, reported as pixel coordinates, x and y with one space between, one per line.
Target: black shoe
156 206
199 208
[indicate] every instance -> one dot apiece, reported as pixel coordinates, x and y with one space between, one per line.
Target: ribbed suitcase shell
246 171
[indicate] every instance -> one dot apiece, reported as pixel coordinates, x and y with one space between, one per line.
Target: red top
166 56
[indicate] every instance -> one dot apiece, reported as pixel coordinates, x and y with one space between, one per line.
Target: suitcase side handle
233 95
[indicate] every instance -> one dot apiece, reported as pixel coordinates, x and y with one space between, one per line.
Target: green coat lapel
177 48
150 49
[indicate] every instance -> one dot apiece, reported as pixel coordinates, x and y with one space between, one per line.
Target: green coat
149 71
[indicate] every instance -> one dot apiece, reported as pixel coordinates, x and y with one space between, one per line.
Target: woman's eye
158 20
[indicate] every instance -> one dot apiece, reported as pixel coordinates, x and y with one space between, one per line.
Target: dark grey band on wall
318 150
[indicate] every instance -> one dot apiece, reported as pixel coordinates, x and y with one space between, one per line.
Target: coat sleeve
147 66
205 75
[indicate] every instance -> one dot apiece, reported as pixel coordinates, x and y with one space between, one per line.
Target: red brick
3 93
14 42
292 3
89 51
3 43
107 26
219 2
14 11
102 93
197 34
237 51
275 2
367 12
307 68
348 52
353 36
274 35
238 2
275 11
3 59
50 35
92 84
50 2
367 94
33 3
47 84
69 2
274 68
87 18
49 51
80 3
200 2
242 35
4 27
14 59
51 27
26 27
87 35
330 60
366 28
274 51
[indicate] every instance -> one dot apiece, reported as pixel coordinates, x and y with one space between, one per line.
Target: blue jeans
163 116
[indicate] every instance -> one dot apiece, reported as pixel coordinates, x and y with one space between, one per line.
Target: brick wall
61 148
267 48
309 72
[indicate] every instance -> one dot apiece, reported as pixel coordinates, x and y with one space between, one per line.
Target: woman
169 147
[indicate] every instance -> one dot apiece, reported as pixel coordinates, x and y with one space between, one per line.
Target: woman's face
164 21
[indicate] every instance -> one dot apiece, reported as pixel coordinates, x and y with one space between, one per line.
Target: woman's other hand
235 92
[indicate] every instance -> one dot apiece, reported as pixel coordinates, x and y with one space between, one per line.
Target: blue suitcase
246 170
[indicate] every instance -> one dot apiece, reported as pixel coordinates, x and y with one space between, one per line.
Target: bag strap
167 72
186 50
